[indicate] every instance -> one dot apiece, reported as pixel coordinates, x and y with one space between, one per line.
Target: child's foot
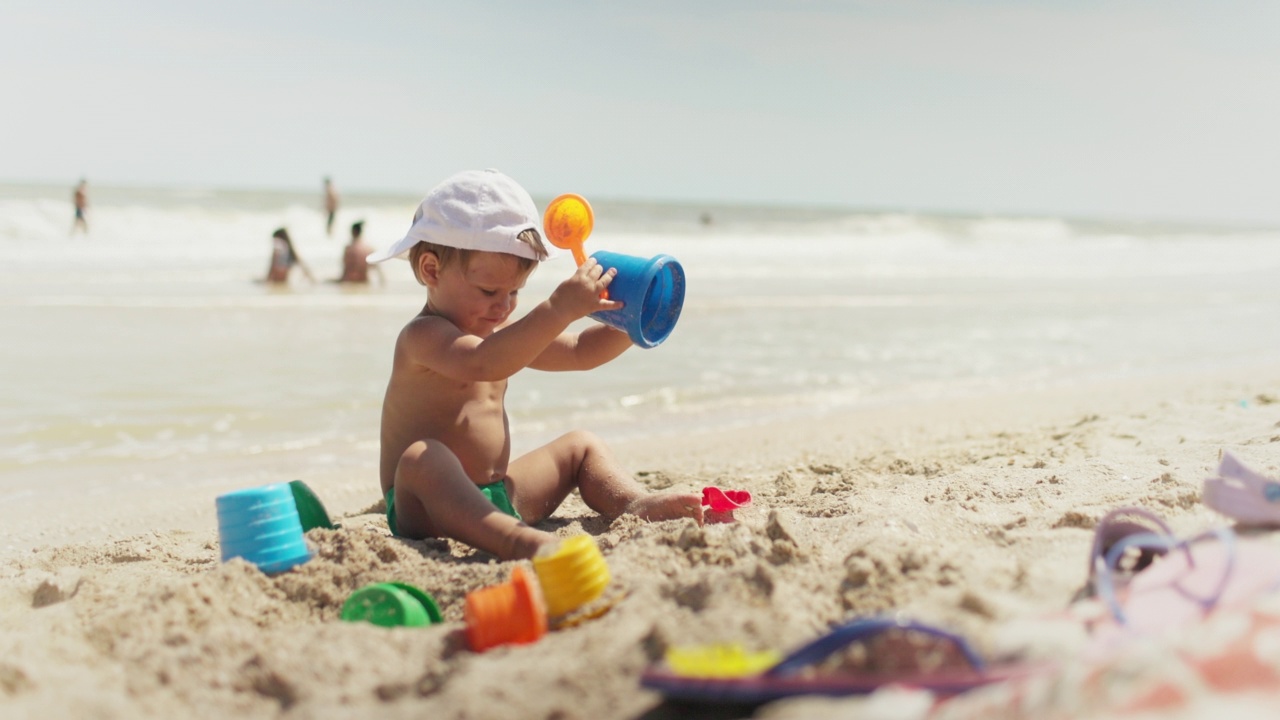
667 506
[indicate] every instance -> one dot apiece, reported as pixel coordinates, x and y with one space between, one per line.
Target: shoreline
754 445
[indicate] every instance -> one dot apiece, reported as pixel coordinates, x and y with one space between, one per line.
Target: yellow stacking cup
571 575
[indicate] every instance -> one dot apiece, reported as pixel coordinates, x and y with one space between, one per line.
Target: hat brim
401 248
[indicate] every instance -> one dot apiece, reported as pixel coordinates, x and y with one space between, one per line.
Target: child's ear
429 269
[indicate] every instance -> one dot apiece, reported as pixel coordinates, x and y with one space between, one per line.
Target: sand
974 513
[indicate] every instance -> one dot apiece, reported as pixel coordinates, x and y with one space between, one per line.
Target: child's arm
441 346
588 349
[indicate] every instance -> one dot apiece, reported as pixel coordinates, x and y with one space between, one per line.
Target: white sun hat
474 210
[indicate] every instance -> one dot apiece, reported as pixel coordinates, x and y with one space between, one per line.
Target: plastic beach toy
573 575
651 290
391 604
311 512
722 676
567 222
261 525
720 661
508 613
652 294
724 500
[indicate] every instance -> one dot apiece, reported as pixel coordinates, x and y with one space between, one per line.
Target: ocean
143 355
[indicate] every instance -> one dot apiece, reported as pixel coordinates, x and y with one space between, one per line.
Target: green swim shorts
496 492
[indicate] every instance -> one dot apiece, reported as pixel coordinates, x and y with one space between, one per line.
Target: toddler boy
446 447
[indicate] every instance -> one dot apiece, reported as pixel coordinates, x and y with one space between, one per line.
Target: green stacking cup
391 604
311 511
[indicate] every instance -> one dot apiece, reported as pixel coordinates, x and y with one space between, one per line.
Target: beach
974 514
966 338
931 412
977 329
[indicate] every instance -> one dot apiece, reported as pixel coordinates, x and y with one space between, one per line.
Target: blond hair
448 255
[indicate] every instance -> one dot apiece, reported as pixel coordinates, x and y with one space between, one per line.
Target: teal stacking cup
652 293
261 525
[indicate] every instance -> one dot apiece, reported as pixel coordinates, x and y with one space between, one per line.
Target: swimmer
355 263
283 258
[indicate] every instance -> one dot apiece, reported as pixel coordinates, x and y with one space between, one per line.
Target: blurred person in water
283 258
80 198
355 263
330 205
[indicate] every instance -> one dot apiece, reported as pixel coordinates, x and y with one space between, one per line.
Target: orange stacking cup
510 612
573 575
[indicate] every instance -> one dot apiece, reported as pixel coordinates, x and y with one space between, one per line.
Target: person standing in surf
80 199
330 205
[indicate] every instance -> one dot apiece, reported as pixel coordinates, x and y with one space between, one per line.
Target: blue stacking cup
261 525
652 293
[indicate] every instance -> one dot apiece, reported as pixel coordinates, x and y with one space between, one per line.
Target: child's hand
579 296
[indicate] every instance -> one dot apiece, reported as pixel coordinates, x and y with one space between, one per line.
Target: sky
1123 109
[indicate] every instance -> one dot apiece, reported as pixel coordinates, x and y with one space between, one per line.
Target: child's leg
545 477
435 498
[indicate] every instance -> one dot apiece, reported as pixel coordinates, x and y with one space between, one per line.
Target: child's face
478 296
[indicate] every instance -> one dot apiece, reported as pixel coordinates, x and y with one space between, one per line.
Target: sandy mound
973 525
